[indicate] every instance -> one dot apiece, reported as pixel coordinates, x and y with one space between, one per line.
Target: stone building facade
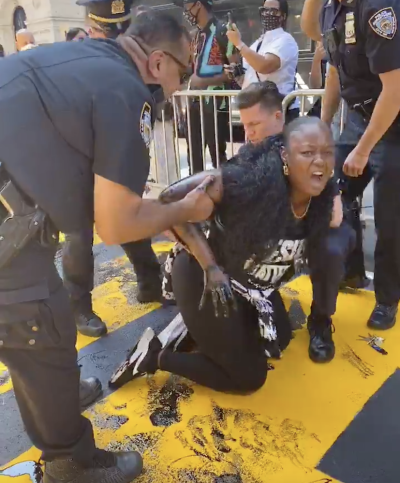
48 20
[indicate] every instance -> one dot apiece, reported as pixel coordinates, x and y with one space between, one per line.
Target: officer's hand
137 50
198 203
234 35
355 163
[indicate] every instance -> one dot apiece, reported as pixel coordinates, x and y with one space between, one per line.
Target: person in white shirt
274 56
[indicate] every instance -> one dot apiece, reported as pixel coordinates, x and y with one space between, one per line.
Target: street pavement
309 423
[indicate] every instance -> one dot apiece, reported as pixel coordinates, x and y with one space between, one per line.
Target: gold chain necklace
305 211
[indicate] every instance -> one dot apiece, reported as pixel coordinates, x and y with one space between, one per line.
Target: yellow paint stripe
96 239
111 303
277 435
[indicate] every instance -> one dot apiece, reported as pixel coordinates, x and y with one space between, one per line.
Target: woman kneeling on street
273 206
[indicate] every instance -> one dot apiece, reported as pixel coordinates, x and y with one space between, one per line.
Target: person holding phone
274 56
211 50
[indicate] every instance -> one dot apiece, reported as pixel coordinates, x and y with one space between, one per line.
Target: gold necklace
305 211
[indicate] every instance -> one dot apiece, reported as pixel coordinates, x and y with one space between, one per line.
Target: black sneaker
355 283
383 317
149 292
322 347
90 324
142 359
107 468
89 391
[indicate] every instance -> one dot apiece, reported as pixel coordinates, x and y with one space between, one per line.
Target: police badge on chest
350 30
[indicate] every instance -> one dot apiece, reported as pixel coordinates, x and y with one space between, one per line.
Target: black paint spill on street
163 403
29 468
355 360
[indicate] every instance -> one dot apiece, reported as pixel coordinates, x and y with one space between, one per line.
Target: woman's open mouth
318 176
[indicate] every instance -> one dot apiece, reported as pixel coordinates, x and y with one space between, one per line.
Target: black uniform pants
78 266
209 135
38 337
384 168
231 355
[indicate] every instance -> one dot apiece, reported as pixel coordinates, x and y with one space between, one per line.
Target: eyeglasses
185 70
273 11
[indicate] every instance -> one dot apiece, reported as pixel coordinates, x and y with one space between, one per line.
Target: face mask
190 18
268 21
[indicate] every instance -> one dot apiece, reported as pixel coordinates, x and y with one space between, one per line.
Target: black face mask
271 18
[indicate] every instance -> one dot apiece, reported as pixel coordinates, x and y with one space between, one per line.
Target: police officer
86 110
107 19
363 44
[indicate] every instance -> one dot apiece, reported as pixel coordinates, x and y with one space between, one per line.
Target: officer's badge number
384 23
145 124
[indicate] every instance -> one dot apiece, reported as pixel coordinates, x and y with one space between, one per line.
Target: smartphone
230 21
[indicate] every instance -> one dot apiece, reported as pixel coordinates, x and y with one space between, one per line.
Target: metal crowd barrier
172 147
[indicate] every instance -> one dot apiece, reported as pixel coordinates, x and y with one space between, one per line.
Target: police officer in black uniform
86 110
362 40
108 19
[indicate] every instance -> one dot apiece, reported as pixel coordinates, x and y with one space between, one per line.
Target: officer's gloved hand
217 284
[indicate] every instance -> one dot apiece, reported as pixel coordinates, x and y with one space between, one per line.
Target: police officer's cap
108 12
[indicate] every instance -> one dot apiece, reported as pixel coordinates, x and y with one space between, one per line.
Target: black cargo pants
384 168
78 266
327 264
37 343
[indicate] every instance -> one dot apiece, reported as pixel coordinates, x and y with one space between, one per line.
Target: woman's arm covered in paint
216 282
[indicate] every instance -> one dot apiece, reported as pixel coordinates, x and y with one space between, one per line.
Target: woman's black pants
231 354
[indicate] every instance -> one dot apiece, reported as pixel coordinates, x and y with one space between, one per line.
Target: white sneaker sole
139 354
142 349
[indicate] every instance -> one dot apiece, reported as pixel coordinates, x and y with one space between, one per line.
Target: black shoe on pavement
89 391
90 324
149 292
142 359
383 317
355 283
107 468
322 347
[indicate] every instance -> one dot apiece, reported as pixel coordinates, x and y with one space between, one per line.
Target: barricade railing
182 135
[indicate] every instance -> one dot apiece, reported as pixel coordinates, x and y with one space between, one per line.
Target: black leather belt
365 108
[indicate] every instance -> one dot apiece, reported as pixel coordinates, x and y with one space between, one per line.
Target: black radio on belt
20 220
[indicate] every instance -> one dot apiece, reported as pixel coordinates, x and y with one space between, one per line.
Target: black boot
149 291
383 317
107 468
322 347
88 323
89 391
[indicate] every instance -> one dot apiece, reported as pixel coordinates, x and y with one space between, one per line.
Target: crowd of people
87 108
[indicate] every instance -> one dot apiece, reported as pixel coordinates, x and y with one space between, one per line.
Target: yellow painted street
294 430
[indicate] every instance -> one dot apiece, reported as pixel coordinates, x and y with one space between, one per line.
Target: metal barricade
307 99
173 149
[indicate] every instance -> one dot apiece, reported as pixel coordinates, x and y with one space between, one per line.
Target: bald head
24 40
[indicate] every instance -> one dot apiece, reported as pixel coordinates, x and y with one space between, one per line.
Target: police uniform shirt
69 111
362 41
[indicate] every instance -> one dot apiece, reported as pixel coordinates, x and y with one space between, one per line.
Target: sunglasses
185 70
273 11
